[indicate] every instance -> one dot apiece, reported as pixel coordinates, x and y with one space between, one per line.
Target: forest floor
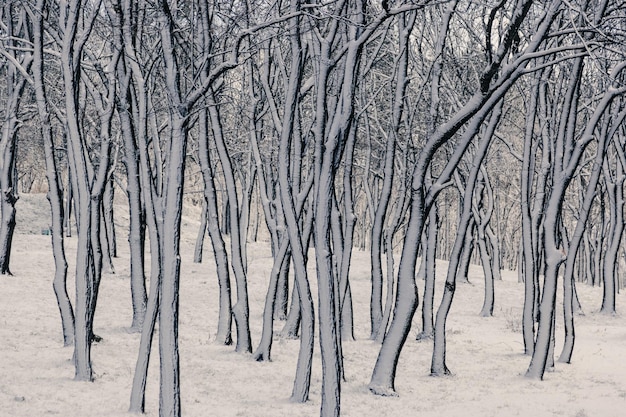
485 354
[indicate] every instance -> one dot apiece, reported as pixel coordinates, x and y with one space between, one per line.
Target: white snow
485 354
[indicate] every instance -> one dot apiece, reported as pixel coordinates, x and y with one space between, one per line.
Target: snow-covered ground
485 354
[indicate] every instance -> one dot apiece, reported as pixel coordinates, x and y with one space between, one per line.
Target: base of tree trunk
135 328
424 336
442 372
223 340
383 391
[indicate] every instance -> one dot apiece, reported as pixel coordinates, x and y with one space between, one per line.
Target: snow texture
485 354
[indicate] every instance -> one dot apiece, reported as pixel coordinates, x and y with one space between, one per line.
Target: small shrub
513 320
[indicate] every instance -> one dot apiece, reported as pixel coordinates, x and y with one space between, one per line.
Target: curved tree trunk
197 252
429 253
14 89
438 364
570 299
566 165
71 51
302 380
217 241
55 195
241 309
615 190
466 254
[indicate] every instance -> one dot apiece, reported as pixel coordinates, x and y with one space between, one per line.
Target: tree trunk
565 166
217 241
109 221
241 309
429 253
197 253
438 364
70 54
14 89
137 215
55 195
615 191
466 255
570 298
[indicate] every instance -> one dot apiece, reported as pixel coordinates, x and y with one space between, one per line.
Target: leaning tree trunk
224 325
55 195
197 252
241 309
70 59
137 214
562 177
438 364
302 380
497 79
429 253
14 89
401 207
569 290
481 226
615 191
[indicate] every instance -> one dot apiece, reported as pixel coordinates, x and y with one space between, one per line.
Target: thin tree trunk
466 255
197 252
55 195
80 185
616 199
137 215
241 309
14 89
217 241
570 299
429 253
109 220
561 180
438 364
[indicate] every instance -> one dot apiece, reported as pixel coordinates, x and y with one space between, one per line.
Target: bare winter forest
281 208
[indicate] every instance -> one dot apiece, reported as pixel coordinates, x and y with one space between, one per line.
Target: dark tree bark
399 211
73 43
217 241
302 380
429 253
438 364
466 254
615 192
16 25
241 309
405 27
109 222
482 217
137 215
531 216
570 300
55 195
496 80
565 165
197 252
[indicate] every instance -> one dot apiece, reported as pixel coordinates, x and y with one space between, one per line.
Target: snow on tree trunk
55 196
430 253
241 309
467 217
15 83
217 241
